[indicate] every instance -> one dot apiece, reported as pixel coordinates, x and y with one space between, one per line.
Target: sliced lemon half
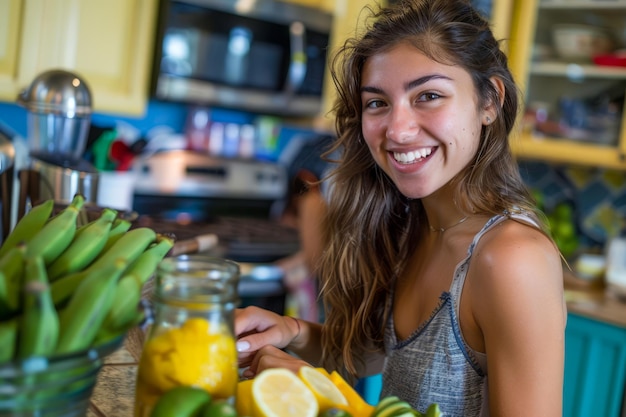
278 392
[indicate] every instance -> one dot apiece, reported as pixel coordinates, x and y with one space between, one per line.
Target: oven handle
298 61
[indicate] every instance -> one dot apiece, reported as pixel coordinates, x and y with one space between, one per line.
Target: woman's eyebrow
423 80
408 86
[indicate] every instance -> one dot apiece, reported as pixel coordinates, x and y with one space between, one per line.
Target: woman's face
420 119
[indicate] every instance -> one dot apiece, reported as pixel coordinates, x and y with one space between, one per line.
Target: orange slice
357 406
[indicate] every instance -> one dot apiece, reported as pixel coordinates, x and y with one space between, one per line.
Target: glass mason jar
191 341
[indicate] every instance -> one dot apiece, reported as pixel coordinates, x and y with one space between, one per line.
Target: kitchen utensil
200 243
61 183
7 157
59 114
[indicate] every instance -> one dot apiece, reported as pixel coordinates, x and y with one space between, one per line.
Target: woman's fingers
256 328
271 357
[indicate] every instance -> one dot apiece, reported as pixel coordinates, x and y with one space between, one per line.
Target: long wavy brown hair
371 228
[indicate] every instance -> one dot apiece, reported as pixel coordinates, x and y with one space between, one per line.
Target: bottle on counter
191 341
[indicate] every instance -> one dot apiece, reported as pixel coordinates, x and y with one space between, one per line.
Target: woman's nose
403 124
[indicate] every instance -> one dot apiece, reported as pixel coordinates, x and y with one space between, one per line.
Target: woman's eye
428 97
374 104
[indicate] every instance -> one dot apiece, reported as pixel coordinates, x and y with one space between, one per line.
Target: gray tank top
435 364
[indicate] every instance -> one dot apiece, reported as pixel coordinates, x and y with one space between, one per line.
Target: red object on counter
610 60
122 154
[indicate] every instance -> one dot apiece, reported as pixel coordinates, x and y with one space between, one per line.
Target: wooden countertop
114 393
594 301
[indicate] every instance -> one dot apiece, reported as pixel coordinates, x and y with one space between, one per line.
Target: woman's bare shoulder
515 256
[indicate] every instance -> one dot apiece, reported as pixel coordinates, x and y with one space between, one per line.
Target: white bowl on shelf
578 42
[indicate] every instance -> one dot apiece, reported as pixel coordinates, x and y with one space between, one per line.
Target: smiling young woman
436 268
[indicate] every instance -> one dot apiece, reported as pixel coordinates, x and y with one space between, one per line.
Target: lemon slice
325 391
278 392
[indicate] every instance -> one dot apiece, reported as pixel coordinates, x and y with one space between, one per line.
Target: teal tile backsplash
597 197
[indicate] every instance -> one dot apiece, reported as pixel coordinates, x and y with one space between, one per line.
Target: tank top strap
460 272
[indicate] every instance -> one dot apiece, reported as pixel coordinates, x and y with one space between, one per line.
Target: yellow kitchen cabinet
10 16
326 5
108 42
561 124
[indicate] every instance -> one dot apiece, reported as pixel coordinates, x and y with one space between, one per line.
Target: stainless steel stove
187 194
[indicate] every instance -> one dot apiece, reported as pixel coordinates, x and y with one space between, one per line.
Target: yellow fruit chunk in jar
196 354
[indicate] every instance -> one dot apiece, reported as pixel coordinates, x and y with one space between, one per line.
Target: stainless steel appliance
58 119
187 194
267 56
7 157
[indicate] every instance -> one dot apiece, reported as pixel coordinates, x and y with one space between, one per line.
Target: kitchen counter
113 395
593 301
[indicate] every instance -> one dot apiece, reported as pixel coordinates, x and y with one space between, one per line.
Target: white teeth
409 157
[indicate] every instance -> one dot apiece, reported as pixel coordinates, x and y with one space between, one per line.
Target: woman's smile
412 157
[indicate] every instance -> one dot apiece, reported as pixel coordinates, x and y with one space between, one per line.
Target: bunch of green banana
65 288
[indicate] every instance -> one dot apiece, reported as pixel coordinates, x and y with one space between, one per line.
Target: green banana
128 248
8 339
87 308
128 291
148 261
105 334
125 308
57 234
29 225
85 246
12 271
118 228
39 324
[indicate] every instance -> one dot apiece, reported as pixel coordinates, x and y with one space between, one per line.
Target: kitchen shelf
577 71
582 4
579 98
563 151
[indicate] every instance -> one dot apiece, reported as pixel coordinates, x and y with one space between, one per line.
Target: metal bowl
57 92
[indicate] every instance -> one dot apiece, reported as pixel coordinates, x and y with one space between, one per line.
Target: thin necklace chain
443 229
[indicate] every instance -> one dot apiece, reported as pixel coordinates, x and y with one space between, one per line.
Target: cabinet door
595 368
574 107
10 15
108 42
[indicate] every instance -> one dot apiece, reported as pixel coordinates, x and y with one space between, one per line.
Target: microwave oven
264 56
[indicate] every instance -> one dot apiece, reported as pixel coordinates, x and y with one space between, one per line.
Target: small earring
488 120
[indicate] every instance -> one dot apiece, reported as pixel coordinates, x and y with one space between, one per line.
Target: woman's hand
260 336
272 357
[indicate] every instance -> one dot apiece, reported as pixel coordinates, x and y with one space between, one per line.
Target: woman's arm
517 301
